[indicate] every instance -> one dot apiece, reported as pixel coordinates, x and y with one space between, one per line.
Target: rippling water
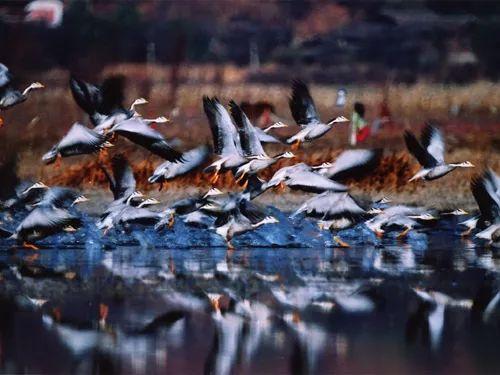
428 303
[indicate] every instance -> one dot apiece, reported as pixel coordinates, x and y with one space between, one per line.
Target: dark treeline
451 41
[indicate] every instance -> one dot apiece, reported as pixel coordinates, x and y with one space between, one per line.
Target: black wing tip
236 113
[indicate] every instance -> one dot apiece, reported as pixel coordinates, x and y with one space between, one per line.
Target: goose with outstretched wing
303 177
429 152
169 170
9 95
43 222
258 159
305 115
485 193
79 140
226 140
351 164
138 132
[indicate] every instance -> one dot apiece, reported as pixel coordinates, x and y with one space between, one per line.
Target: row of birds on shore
237 147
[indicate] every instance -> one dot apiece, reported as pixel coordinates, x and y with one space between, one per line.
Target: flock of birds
238 147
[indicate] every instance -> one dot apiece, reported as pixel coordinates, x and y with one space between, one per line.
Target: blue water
291 302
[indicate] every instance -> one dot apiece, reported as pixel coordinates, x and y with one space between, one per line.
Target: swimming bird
138 132
225 137
251 145
305 115
79 140
429 152
169 170
9 96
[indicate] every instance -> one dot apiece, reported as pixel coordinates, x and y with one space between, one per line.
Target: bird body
305 115
429 152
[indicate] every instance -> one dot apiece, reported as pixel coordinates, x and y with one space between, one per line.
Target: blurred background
405 61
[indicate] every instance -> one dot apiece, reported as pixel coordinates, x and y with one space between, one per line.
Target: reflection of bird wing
224 133
425 159
302 105
487 200
432 140
140 133
353 164
80 139
249 138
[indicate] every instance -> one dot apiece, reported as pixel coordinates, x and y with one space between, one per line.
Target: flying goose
429 152
399 216
351 164
79 140
225 137
305 115
104 103
9 96
251 145
169 170
138 132
42 222
61 197
302 177
486 192
242 219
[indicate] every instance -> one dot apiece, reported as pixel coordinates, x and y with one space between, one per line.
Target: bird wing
5 76
487 200
80 139
353 164
86 95
47 217
331 204
249 138
311 181
137 131
225 135
302 105
57 196
494 180
251 211
433 141
123 177
265 137
192 159
425 159
112 90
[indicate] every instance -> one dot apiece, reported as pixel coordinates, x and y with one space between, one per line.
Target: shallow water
312 309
